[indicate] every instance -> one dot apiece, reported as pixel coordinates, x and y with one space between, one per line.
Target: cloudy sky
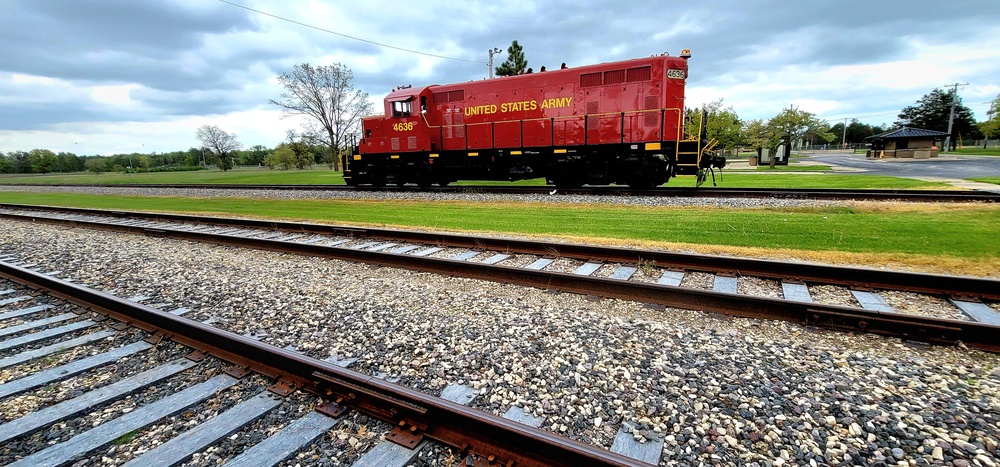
116 76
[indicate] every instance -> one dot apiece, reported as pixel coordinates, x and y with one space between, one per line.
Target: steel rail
962 287
910 327
413 413
680 192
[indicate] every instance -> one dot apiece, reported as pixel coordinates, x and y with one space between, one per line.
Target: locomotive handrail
584 117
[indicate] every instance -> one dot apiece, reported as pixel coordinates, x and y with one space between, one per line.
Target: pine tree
515 63
932 111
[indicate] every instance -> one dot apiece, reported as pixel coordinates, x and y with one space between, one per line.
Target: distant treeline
42 161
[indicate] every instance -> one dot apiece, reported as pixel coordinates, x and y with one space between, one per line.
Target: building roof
907 133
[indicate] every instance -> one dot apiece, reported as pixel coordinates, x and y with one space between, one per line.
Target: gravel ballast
428 196
716 390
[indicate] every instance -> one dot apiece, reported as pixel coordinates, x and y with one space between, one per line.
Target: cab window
401 109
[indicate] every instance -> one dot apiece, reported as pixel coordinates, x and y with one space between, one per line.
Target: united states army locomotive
612 123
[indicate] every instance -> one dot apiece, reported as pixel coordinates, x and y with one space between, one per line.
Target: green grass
976 151
995 180
328 177
921 231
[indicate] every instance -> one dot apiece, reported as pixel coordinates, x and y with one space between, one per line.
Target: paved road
945 166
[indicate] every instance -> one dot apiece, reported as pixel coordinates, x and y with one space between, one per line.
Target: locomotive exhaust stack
612 123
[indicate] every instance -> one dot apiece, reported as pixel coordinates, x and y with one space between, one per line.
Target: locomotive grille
593 107
590 79
650 103
643 73
614 76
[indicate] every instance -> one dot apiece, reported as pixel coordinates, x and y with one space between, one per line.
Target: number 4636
405 126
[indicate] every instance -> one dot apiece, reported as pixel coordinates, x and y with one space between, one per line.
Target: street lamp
493 51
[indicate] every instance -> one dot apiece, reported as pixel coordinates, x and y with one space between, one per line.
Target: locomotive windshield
401 109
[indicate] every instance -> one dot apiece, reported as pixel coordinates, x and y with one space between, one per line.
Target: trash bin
753 160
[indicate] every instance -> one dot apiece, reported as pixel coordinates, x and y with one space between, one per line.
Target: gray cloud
193 57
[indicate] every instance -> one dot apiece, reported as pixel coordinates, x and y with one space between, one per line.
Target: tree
515 63
254 155
95 165
932 112
757 135
283 155
793 124
991 127
326 95
6 166
222 144
42 160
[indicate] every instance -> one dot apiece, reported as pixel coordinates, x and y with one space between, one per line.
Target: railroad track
680 192
966 308
58 340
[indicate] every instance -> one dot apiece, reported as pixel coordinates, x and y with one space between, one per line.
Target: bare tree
325 94
222 144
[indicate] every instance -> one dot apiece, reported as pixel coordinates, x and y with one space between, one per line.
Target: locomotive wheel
443 182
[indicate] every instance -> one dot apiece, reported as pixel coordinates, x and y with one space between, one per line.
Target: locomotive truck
618 122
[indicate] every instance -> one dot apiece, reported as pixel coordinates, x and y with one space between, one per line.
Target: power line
350 37
838 117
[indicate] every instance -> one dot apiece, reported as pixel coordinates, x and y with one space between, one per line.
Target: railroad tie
871 301
977 311
8 301
389 454
725 284
290 439
23 312
105 433
648 452
671 278
46 334
70 369
184 446
517 414
86 402
37 323
29 355
796 291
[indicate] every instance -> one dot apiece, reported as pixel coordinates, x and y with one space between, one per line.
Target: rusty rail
501 441
910 327
956 286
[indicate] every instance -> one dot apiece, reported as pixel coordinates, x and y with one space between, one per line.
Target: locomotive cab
395 146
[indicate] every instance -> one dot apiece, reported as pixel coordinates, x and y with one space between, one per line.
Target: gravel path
471 197
718 391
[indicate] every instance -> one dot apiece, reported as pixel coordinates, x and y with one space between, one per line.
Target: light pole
843 139
493 51
951 116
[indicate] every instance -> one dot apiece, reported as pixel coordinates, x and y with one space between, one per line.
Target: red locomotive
619 122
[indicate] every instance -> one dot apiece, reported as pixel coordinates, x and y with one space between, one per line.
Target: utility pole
951 116
843 139
493 51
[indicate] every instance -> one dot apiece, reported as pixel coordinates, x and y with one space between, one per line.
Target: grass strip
256 176
960 231
972 151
